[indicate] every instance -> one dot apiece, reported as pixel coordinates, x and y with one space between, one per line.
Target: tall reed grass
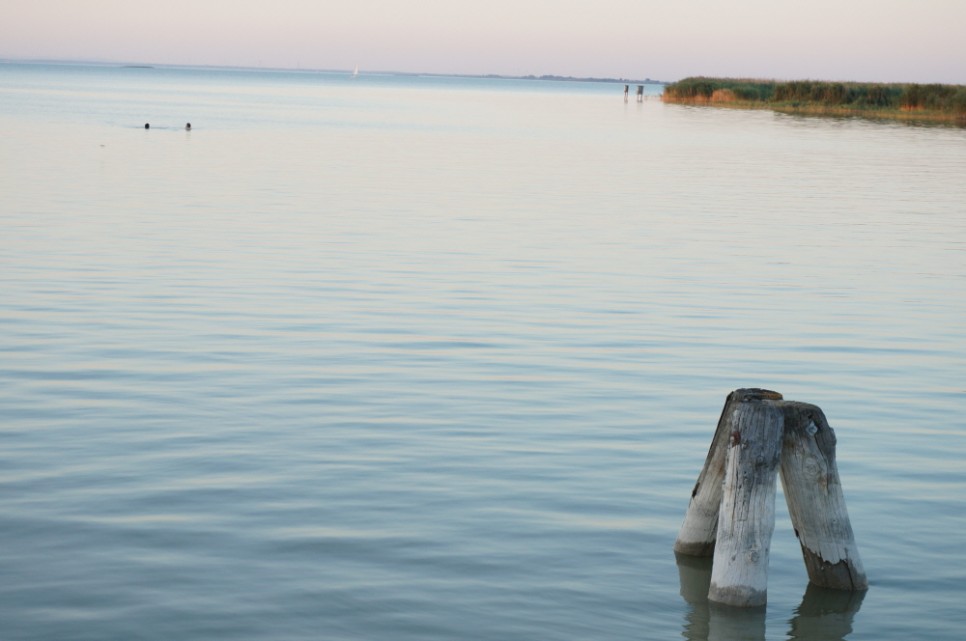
834 96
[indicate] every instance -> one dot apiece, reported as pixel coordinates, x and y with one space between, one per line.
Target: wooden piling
746 521
697 534
731 514
816 503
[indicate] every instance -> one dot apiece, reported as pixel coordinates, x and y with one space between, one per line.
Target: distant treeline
835 97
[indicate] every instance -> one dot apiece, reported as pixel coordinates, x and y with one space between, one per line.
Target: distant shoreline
937 103
136 65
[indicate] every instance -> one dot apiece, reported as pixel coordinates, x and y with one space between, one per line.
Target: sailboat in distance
355 72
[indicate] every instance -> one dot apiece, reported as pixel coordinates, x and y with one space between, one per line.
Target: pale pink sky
872 40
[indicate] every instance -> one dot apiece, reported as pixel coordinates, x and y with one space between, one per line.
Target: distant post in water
640 93
731 514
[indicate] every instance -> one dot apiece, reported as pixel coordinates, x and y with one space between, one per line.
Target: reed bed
937 102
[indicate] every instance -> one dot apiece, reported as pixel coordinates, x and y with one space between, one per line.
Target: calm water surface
433 358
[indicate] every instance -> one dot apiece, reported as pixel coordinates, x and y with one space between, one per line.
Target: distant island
918 102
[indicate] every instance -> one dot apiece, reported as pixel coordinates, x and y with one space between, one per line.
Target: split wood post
746 520
816 504
697 534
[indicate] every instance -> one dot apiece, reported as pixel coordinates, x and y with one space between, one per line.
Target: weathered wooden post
732 509
746 520
697 534
816 504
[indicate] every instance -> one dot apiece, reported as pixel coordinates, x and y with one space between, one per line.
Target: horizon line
148 65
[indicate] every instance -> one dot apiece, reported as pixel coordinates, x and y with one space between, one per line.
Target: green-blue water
434 358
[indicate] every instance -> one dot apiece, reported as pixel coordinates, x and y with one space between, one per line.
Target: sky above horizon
863 40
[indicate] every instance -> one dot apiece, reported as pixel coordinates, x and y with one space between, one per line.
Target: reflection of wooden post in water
824 614
694 573
708 621
732 509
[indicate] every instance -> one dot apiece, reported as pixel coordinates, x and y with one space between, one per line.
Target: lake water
413 358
